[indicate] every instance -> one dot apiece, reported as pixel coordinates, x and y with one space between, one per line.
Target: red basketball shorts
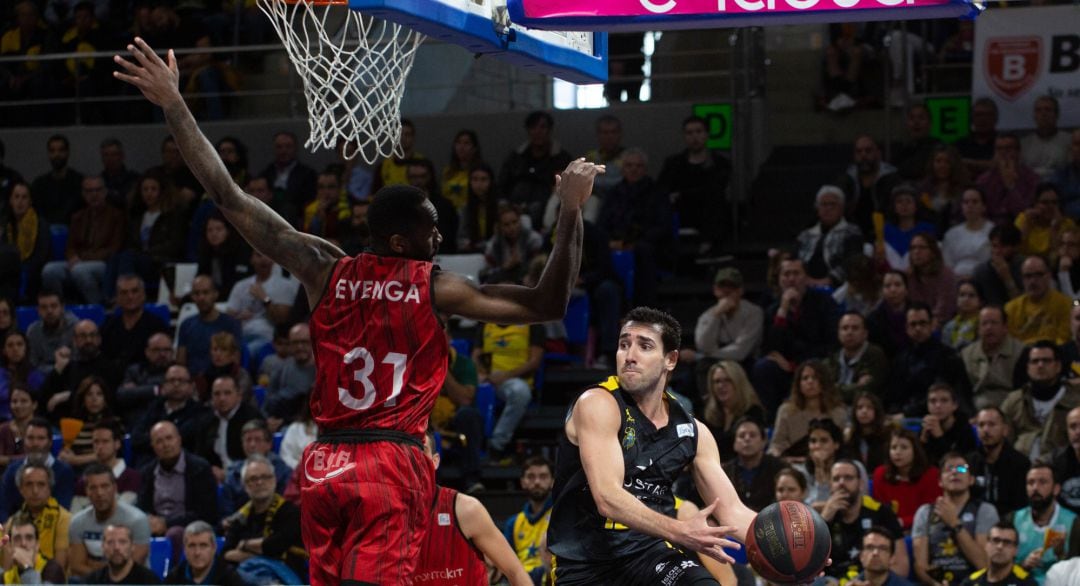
364 509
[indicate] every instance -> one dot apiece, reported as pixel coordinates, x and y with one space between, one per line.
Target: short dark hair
47 292
396 209
694 119
59 138
853 313
995 409
537 460
755 421
1045 344
670 330
114 427
1053 101
918 306
111 141
943 386
536 116
41 422
1004 525
608 119
884 532
1039 463
1000 310
828 426
96 468
985 101
951 455
1048 186
22 519
1007 234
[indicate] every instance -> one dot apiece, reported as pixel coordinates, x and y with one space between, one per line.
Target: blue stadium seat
24 316
278 436
463 346
624 267
58 235
160 556
577 320
159 309
265 350
259 392
57 444
485 402
92 312
128 452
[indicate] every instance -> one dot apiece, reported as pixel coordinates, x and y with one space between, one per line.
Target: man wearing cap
729 330
824 246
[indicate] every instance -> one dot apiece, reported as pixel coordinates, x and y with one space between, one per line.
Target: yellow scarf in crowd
25 234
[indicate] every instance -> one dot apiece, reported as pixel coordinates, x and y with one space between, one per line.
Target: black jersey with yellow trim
1017 577
652 460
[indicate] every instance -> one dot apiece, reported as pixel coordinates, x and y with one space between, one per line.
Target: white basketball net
353 67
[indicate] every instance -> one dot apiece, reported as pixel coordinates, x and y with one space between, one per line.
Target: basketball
788 543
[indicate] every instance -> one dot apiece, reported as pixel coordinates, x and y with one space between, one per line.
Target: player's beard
643 384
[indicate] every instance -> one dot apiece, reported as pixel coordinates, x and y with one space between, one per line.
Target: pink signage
622 14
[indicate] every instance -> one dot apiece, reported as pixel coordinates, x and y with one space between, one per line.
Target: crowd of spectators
931 293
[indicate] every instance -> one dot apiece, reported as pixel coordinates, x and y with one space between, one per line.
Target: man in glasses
1036 411
949 535
1042 312
1067 463
1000 569
878 545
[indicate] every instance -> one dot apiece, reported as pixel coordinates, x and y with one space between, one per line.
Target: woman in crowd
298 435
730 397
464 155
156 236
862 291
481 209
943 185
826 442
1041 224
16 370
90 408
23 404
868 436
7 317
225 358
962 329
813 395
1067 261
28 233
907 480
235 156
929 280
223 254
888 321
790 485
967 244
900 226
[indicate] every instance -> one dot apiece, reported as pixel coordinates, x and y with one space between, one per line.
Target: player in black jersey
626 441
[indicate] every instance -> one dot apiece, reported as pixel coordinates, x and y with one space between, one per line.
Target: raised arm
548 299
594 427
476 524
310 258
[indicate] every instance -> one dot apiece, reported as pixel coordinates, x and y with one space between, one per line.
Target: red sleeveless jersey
447 557
381 355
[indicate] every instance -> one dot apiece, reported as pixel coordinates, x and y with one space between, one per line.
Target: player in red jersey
459 537
367 488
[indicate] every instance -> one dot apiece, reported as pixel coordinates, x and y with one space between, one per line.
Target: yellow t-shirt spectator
1046 319
1039 239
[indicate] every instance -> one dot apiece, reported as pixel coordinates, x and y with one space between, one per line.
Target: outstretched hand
708 540
159 81
575 184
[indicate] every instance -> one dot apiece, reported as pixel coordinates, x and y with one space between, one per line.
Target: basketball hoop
353 67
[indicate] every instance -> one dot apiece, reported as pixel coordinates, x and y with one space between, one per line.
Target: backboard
483 27
635 15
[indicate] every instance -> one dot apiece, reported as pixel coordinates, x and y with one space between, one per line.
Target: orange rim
319 2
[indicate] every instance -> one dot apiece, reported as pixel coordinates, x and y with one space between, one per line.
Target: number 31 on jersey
364 367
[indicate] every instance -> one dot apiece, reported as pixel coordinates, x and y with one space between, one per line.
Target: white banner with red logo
1024 53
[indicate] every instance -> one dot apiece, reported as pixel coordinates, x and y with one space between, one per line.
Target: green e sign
950 118
717 123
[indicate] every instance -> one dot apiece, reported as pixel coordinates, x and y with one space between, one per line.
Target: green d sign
950 118
717 123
